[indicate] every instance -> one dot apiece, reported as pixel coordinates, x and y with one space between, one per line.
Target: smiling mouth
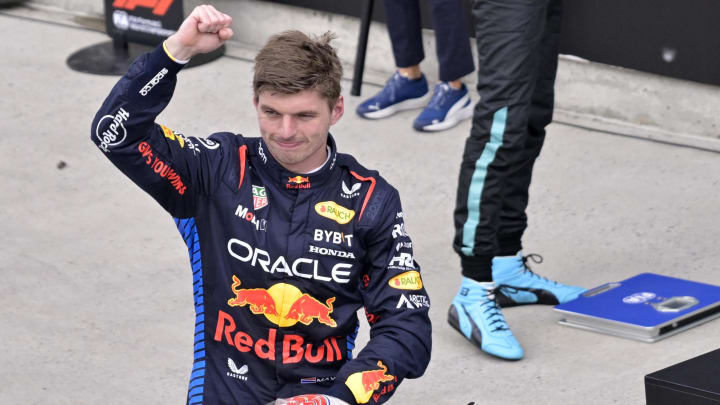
288 145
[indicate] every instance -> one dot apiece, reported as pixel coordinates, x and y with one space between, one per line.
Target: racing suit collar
291 180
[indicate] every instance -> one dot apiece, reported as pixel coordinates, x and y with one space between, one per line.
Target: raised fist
203 31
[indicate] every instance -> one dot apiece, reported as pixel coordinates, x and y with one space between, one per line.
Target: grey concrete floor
96 292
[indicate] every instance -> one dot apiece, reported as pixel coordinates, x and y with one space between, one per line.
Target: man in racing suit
287 237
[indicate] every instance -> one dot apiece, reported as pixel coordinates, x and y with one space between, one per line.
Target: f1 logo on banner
159 7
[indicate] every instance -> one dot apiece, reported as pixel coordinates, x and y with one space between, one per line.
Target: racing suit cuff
341 391
158 60
174 59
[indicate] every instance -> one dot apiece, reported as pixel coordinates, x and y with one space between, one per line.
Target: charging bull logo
295 306
298 182
307 308
258 299
363 384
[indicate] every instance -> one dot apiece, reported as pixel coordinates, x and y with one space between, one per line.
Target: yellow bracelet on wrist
174 59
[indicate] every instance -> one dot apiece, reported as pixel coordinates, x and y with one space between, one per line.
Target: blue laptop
646 307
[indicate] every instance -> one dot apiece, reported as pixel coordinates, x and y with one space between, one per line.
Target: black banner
142 21
667 37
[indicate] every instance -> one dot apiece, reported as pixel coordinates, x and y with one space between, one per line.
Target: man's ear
255 101
337 110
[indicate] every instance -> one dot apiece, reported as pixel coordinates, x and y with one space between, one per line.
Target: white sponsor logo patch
261 152
244 213
154 81
330 252
401 245
398 230
403 261
337 238
301 267
235 372
208 143
350 192
413 301
115 133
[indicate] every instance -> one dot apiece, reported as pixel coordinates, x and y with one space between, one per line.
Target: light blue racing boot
518 285
476 315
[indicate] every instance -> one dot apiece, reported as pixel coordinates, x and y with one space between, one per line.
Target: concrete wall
588 94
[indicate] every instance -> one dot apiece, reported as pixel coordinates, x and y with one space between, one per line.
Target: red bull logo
298 182
294 347
307 308
295 306
364 383
258 299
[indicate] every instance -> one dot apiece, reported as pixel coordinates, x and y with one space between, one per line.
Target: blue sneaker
399 93
518 285
446 109
476 315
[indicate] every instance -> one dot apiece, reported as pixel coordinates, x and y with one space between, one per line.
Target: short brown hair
291 62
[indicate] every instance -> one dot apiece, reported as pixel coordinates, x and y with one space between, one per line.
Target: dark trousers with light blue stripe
452 35
517 43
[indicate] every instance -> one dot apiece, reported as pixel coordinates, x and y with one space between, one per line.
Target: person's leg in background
510 266
407 88
510 35
450 103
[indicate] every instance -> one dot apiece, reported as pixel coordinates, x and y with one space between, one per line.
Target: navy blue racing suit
281 261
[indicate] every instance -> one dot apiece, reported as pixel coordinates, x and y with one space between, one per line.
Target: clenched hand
203 31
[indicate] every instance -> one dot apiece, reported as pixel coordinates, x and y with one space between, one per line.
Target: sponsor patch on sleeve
410 280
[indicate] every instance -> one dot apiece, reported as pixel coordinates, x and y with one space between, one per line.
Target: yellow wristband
174 59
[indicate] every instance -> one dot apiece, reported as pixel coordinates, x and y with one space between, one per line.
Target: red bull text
294 348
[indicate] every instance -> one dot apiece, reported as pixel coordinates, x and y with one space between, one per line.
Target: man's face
295 127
